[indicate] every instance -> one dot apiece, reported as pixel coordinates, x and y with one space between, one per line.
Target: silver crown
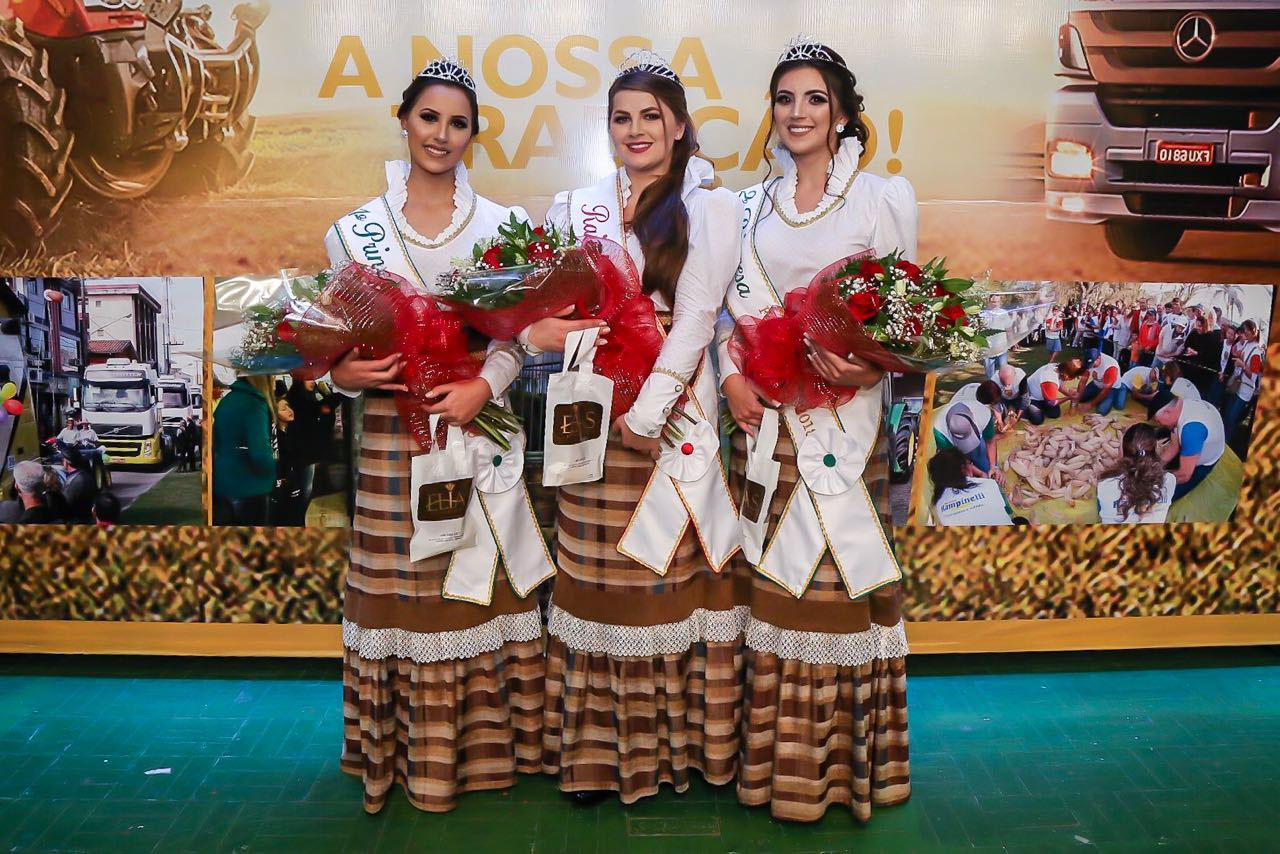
803 48
449 68
648 62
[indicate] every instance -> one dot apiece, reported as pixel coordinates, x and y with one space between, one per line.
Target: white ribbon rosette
689 459
497 470
830 461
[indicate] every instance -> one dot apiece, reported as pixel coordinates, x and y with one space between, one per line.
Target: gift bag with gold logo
579 404
440 492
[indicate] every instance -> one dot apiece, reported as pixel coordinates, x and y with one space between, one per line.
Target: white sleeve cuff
339 389
522 338
654 403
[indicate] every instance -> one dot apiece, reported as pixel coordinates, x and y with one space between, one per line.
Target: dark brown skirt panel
822 735
629 725
443 728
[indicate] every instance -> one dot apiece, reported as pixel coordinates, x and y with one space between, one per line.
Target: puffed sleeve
557 215
897 219
333 246
724 331
715 248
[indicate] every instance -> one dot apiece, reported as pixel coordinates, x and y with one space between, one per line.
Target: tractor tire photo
212 165
34 144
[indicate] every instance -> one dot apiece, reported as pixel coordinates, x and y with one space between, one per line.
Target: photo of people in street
103 405
280 446
1127 403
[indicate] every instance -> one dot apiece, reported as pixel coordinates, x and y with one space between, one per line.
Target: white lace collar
843 168
464 199
698 173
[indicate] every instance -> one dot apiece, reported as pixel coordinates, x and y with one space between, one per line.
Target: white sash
830 509
503 505
669 505
503 521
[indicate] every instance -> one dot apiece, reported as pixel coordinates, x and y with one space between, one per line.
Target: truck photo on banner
1092 139
103 380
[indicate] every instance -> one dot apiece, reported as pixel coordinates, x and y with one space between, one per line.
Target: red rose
540 251
540 231
940 291
913 272
285 331
870 269
492 258
865 305
952 315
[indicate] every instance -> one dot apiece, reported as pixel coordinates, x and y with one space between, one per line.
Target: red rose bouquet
523 275
531 273
886 311
310 322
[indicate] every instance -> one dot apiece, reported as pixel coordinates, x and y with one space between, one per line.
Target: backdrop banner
1092 148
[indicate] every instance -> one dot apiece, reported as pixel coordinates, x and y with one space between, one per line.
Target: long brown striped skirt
441 697
825 706
644 672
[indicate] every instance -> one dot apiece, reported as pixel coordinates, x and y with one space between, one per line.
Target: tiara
648 62
451 69
807 48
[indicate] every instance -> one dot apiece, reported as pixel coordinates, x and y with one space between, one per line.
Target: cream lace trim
848 650
428 647
647 641
844 167
464 201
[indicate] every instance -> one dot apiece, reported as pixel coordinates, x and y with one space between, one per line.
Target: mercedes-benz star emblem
1193 37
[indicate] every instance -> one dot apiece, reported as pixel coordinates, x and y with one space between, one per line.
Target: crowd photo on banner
1127 403
102 418
279 445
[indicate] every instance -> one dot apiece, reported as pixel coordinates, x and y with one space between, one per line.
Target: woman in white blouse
642 665
824 715
440 695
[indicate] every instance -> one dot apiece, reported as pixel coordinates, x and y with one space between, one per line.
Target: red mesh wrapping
538 294
357 308
634 336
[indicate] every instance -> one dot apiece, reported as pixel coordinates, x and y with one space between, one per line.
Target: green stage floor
1170 751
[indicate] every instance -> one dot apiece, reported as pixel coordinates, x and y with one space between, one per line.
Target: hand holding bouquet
529 274
886 311
523 275
310 322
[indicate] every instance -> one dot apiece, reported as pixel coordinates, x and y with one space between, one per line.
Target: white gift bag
762 481
441 486
579 407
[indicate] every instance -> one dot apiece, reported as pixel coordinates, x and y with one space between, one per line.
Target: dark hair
1170 371
1250 326
1140 471
661 222
420 84
106 508
989 392
842 86
1072 368
947 471
72 455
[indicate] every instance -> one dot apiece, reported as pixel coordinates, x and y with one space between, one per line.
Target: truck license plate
1185 153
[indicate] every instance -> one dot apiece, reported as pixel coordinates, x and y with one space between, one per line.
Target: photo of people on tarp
1128 403
102 410
280 445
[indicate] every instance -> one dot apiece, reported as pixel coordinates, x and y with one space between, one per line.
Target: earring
404 133
840 127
